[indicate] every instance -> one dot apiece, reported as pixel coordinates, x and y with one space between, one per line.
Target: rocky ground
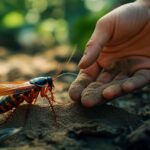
120 125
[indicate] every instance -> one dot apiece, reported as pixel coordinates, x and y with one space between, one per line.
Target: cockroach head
50 81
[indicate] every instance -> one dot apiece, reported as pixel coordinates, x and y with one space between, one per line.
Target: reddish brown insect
14 93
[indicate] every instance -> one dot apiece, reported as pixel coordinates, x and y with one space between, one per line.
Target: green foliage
44 23
84 27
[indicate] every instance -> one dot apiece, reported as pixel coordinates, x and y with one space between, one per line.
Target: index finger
84 78
98 40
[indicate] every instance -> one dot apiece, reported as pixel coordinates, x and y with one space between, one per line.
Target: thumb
100 37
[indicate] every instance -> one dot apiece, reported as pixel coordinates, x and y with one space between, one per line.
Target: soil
120 125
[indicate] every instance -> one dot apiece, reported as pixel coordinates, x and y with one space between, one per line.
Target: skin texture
116 60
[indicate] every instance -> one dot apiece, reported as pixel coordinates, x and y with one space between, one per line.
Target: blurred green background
38 24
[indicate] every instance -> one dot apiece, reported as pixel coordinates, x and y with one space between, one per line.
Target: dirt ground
120 125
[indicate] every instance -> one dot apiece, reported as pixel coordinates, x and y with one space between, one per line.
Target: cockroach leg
34 97
52 95
51 105
43 93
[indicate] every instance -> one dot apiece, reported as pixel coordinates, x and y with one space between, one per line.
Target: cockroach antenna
66 73
67 61
72 54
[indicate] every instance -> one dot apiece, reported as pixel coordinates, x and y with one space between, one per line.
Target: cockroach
15 93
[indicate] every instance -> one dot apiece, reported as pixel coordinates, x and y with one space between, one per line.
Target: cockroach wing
8 88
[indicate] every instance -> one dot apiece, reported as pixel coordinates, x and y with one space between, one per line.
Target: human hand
117 57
